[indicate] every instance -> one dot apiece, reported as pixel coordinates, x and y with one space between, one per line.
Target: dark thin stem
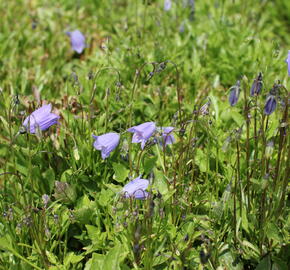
282 138
239 176
138 162
285 182
246 110
179 100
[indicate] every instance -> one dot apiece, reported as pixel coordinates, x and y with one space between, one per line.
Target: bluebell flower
257 85
288 62
234 94
136 188
270 105
106 143
142 133
167 136
40 119
167 5
78 41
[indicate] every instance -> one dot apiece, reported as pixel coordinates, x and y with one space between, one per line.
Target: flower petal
41 118
106 143
136 188
78 41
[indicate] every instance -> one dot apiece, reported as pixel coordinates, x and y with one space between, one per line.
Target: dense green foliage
217 196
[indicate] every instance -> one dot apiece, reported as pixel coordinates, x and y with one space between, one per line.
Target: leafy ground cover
216 192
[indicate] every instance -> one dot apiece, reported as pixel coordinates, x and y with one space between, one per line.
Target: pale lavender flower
136 188
142 133
288 62
41 119
167 5
167 136
106 143
270 105
78 41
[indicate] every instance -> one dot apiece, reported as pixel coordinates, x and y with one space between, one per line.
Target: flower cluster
106 143
256 89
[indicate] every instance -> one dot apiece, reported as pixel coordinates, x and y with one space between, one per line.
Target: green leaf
272 232
201 160
93 232
84 215
245 223
105 197
251 246
237 117
5 243
96 262
72 258
52 258
160 182
121 172
149 164
265 264
114 257
49 177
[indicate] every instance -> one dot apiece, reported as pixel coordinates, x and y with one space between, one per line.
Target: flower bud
270 105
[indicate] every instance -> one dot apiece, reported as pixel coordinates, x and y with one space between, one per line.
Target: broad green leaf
149 164
93 232
201 160
105 197
121 172
265 264
114 257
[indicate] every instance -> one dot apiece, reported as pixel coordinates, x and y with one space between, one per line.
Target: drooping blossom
106 143
288 62
142 133
167 136
41 119
270 105
78 41
257 85
136 188
234 94
167 5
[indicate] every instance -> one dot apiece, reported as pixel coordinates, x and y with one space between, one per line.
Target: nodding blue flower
41 119
136 188
106 143
257 85
142 132
167 5
167 136
270 105
78 41
234 94
288 62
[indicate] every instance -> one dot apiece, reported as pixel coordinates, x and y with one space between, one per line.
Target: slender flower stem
239 178
129 123
246 112
285 182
